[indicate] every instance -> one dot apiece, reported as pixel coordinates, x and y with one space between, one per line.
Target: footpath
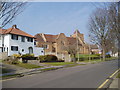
115 83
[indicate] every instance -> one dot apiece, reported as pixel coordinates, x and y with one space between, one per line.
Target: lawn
4 70
28 66
1 60
59 63
48 69
99 60
118 76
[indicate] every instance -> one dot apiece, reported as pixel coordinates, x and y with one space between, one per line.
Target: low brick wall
3 55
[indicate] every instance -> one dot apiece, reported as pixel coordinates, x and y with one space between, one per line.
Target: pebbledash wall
23 47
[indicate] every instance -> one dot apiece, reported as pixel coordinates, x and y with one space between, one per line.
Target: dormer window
14 37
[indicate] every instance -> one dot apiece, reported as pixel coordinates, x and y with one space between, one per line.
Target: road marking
7 79
108 79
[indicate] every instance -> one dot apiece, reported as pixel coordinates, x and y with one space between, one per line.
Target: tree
98 28
103 26
72 50
9 10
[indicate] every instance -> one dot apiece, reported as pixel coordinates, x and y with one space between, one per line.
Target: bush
16 55
11 60
107 56
28 57
15 61
48 58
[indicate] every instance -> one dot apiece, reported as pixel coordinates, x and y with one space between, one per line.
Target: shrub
16 55
28 57
15 61
107 56
11 60
48 58
42 58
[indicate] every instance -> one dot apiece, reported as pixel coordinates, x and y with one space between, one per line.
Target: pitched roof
2 31
16 31
76 31
50 38
38 38
71 40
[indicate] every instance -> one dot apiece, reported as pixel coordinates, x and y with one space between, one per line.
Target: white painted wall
38 51
0 40
8 42
0 49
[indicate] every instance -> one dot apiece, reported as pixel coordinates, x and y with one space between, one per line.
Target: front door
30 50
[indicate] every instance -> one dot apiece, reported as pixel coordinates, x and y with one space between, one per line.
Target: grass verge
4 70
99 60
59 63
9 76
118 75
48 69
28 66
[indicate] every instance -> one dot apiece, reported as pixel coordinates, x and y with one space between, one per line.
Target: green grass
28 66
4 70
59 63
1 60
48 69
86 55
118 76
99 60
9 76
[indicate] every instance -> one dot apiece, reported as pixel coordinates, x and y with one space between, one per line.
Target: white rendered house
16 41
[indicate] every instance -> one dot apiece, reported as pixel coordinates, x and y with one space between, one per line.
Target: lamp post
89 52
89 49
77 45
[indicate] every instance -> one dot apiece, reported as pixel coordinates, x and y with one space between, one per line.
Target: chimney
14 26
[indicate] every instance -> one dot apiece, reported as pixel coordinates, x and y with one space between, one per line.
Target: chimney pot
14 26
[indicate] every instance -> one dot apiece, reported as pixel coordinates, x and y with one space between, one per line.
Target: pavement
115 82
83 76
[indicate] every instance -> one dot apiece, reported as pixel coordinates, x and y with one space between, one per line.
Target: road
83 76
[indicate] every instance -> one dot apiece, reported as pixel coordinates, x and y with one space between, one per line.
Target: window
22 50
14 37
14 48
29 39
45 46
22 39
34 43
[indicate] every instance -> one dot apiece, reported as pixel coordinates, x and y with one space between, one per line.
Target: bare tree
103 26
9 10
113 20
72 50
98 27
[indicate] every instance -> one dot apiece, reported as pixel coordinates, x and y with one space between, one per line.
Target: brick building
55 44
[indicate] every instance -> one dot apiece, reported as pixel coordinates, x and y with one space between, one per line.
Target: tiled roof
50 38
2 31
16 31
38 38
71 40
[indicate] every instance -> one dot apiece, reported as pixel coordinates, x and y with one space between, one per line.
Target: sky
55 17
